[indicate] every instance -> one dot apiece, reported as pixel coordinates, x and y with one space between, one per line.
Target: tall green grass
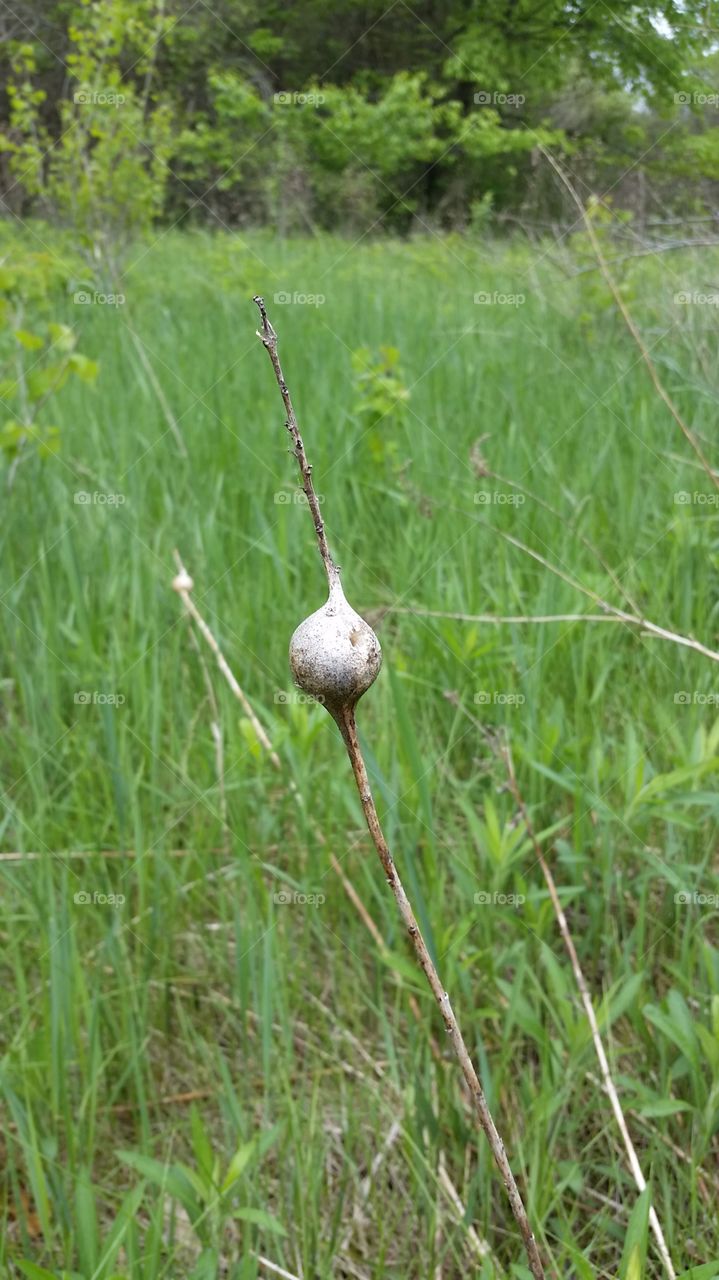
285 1015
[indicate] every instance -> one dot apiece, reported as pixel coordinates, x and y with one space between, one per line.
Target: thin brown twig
629 321
621 615
613 615
183 585
345 719
497 619
215 727
572 527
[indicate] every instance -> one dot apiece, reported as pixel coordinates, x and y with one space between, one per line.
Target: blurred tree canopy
312 114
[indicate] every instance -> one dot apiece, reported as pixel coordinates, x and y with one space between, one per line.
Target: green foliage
208 1189
382 396
35 364
634 1254
344 115
106 171
287 1014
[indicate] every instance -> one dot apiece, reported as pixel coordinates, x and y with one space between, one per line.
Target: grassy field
195 1013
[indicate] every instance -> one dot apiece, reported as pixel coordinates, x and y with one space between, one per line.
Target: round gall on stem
334 654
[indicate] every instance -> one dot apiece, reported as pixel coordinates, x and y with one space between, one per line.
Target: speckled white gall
334 654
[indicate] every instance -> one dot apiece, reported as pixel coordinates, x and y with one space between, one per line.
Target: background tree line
342 115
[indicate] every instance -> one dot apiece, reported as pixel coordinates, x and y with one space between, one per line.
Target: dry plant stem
627 317
496 619
215 729
269 340
191 607
586 999
629 618
613 614
348 729
345 719
573 530
276 1271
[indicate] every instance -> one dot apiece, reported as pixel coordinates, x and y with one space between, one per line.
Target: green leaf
206 1266
202 1148
125 1216
403 966
63 338
705 1271
86 1223
664 782
663 1107
172 1178
674 1029
260 1218
34 1272
237 1165
43 382
634 1254
50 443
85 369
619 1000
30 341
10 437
635 1269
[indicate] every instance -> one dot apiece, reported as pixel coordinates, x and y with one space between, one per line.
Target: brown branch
345 719
613 615
269 339
629 618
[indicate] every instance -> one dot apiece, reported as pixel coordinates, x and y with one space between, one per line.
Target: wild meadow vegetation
218 1057
209 1067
